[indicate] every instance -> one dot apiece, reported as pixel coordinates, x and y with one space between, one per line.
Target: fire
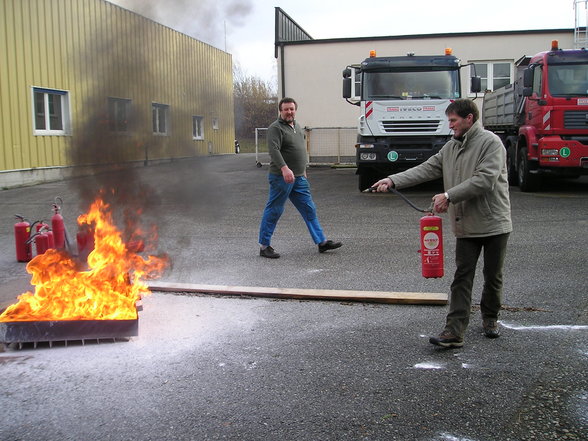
107 290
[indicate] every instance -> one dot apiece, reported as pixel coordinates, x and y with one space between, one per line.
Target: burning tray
66 330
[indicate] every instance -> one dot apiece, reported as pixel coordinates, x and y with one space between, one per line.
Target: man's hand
287 174
440 203
383 185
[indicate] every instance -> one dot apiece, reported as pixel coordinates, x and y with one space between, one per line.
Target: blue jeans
299 193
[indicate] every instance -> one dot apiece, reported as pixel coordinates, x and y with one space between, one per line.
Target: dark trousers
467 252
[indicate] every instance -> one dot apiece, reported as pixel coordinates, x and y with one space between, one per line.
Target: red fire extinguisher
58 226
43 238
85 241
22 232
45 228
41 242
431 238
431 246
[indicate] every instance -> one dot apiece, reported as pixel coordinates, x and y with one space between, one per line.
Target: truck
542 117
402 102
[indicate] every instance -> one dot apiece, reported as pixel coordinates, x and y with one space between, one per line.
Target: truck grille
410 126
576 119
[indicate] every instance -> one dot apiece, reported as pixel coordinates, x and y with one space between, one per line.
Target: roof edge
421 36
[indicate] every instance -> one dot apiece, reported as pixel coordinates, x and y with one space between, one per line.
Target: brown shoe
491 329
447 340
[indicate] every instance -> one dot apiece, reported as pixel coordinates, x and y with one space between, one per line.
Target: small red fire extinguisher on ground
431 246
43 237
45 229
22 233
57 225
85 241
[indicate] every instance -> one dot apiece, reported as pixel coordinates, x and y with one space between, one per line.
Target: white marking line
449 437
545 328
429 366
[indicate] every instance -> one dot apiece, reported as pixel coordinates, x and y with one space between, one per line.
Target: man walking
473 167
287 180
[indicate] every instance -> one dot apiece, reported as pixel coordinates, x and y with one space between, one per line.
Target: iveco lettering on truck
542 118
402 119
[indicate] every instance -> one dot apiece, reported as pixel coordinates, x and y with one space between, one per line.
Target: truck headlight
366 146
549 152
367 156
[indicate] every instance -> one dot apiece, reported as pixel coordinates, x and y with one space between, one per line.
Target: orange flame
108 290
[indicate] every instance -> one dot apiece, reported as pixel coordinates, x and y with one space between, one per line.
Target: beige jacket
475 178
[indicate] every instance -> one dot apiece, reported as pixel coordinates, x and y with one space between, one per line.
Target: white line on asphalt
545 328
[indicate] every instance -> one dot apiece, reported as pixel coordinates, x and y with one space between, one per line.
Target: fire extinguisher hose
408 201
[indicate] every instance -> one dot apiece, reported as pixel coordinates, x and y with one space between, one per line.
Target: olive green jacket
286 146
475 178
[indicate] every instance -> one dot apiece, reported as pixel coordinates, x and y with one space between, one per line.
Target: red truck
542 118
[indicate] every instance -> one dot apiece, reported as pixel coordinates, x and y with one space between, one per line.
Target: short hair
287 100
463 107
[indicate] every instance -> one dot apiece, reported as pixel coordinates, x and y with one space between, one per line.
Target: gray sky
245 28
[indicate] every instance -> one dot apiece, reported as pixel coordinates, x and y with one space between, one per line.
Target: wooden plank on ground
413 298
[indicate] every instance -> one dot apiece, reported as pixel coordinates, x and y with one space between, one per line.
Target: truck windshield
568 80
411 85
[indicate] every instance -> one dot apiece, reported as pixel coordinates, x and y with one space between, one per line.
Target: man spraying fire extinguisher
473 167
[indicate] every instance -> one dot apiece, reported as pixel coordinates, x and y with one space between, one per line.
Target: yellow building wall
95 50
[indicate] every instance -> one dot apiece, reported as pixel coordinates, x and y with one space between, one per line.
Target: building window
118 114
51 112
198 127
215 123
160 119
494 74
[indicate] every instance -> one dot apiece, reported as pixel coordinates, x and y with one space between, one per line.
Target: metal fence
325 145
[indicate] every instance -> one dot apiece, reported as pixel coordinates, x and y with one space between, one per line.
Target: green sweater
286 146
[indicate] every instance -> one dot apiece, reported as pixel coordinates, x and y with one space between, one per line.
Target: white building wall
313 71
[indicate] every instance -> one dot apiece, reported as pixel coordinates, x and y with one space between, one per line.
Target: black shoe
329 245
269 253
447 340
491 329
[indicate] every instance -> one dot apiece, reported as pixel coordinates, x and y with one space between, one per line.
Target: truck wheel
511 164
527 181
366 179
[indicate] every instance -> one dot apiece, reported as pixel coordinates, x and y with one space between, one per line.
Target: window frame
114 105
64 112
490 78
156 108
215 125
197 127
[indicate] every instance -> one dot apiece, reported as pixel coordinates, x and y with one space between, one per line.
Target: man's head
287 107
462 114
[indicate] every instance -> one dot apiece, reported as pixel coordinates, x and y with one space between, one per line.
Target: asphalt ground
209 368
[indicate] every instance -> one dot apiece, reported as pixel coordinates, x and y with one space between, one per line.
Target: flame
107 290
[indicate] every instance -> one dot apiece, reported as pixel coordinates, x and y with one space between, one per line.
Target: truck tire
511 164
527 181
366 178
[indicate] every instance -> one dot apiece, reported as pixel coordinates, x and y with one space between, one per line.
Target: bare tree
255 103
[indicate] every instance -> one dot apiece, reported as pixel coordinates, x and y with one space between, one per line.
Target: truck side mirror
527 91
528 77
347 88
347 73
476 85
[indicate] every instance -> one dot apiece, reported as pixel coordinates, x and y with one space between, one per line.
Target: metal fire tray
66 330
